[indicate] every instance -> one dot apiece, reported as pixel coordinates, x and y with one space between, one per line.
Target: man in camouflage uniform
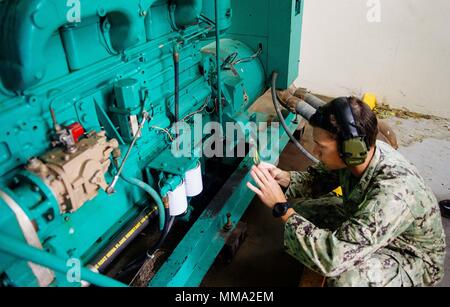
386 230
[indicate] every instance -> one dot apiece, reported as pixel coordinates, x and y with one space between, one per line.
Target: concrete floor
261 260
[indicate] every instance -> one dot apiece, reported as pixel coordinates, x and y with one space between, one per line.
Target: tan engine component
76 177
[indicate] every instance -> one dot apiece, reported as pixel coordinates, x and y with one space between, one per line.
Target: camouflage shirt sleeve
316 181
382 216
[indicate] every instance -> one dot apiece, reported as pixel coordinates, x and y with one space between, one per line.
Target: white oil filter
194 181
178 200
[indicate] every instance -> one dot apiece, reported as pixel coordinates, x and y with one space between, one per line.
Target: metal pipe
309 98
218 66
110 188
314 101
301 107
152 192
26 252
276 104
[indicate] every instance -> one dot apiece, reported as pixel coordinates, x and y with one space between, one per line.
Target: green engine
91 93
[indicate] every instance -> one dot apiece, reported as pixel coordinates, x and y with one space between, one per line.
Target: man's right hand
283 178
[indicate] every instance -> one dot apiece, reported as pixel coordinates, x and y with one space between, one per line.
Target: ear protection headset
353 147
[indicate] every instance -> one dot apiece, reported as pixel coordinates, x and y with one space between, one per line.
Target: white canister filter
177 200
194 181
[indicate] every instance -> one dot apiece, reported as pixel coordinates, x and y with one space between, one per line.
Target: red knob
76 130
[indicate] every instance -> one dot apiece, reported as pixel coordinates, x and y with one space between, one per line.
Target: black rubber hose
276 104
100 263
163 236
176 63
139 261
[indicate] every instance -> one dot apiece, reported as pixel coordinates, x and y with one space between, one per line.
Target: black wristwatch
280 209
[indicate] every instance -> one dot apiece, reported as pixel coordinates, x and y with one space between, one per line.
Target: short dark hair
365 119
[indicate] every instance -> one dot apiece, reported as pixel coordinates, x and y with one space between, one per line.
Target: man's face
326 149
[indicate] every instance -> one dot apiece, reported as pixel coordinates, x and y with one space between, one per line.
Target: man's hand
269 190
282 177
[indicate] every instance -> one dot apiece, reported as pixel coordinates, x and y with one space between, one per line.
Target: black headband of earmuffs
344 117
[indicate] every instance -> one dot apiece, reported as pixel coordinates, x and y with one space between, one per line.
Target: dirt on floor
412 127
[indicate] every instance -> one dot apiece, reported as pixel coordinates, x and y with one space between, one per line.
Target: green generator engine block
90 91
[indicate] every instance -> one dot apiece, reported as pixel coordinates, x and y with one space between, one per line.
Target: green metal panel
285 27
225 12
277 25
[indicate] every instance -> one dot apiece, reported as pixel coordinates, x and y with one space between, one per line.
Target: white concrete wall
404 58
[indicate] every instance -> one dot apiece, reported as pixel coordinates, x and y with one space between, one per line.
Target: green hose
27 252
153 194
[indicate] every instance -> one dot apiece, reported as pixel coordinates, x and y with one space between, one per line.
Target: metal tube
314 101
218 66
110 188
26 252
301 107
309 98
304 109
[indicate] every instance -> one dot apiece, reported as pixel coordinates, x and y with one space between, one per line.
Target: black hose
176 63
276 104
139 261
123 239
163 236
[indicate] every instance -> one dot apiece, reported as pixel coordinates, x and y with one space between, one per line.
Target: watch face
280 209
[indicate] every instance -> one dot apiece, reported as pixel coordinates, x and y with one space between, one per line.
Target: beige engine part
76 177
